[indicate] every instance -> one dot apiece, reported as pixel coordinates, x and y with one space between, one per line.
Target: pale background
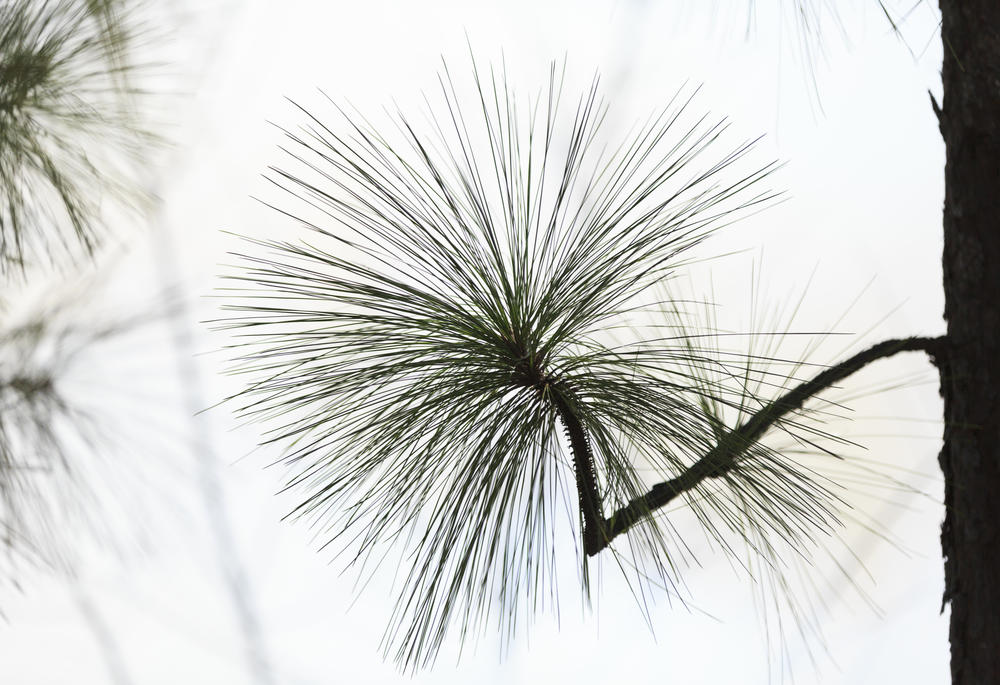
864 177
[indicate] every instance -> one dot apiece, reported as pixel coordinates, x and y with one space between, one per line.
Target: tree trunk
970 374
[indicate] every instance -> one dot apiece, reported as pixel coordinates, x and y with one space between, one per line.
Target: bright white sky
864 177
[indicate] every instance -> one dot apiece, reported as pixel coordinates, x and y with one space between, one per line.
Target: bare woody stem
598 532
591 508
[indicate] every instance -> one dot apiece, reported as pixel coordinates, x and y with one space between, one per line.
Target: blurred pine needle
70 140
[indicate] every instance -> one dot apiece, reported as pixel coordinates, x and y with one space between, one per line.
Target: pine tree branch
725 455
591 508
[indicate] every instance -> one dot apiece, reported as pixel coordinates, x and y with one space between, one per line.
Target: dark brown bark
970 380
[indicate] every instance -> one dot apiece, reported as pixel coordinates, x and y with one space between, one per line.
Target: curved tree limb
725 454
591 508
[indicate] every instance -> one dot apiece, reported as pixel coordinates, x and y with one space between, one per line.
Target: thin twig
725 455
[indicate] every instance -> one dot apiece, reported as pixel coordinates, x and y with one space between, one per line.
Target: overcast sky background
864 177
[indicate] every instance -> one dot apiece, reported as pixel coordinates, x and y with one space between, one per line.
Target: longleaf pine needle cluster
451 349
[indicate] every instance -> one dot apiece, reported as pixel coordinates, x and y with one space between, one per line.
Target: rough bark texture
970 380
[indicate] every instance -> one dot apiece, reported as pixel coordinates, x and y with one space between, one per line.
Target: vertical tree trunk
970 374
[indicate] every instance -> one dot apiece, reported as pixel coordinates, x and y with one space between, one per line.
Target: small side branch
726 453
938 114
